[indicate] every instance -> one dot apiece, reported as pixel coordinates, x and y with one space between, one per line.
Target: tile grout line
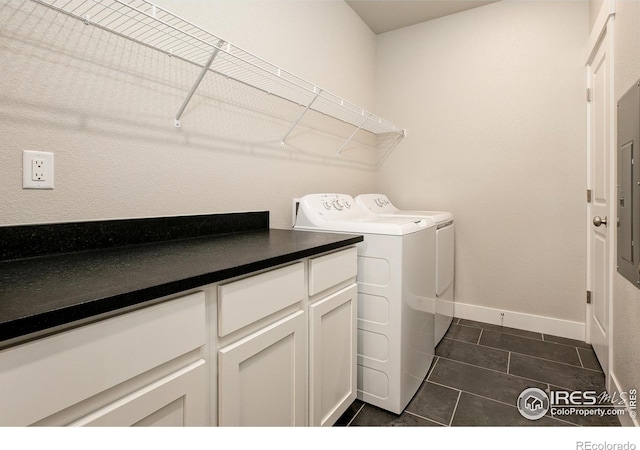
480 336
509 332
532 338
518 353
509 363
544 359
460 391
356 414
435 363
470 393
451 339
455 408
541 339
485 368
498 371
423 418
465 342
579 358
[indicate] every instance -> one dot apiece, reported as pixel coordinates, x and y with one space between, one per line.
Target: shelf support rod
203 72
400 137
352 135
299 118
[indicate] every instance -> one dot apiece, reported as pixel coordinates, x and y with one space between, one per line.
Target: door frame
603 28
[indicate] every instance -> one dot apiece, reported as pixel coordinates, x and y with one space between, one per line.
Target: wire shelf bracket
203 72
295 124
352 135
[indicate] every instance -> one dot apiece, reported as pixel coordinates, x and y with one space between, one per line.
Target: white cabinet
262 356
332 335
263 377
332 356
287 344
117 371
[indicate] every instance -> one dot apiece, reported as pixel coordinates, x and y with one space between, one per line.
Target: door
332 356
601 216
262 379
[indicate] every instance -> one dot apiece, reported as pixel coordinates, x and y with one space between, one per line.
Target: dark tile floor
480 370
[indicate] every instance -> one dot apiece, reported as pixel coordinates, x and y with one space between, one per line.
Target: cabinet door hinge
588 94
588 195
588 297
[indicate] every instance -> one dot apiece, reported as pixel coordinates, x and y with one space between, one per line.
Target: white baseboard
529 322
626 420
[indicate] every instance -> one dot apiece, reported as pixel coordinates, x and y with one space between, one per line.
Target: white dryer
396 302
379 204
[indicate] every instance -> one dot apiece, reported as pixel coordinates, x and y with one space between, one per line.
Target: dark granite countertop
46 292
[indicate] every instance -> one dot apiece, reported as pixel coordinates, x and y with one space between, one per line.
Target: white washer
379 204
396 302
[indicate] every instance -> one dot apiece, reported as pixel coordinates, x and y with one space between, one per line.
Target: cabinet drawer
328 270
246 301
40 378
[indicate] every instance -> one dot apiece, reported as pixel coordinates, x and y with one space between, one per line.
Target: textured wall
594 8
105 106
494 103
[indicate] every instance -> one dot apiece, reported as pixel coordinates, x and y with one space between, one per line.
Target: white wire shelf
148 24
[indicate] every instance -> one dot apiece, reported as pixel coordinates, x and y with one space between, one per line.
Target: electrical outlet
37 170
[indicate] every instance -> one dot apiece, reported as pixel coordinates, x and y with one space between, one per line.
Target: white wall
494 103
626 297
594 8
105 106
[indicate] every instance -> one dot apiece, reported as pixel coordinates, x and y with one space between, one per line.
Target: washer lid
438 216
381 205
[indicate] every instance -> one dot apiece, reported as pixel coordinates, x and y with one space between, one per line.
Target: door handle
597 221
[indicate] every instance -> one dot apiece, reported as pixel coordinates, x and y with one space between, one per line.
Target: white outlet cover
28 156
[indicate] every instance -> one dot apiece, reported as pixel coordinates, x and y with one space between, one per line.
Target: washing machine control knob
339 204
327 205
380 202
347 204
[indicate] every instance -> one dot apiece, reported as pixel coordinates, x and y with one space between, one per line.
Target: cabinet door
262 379
332 356
179 399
